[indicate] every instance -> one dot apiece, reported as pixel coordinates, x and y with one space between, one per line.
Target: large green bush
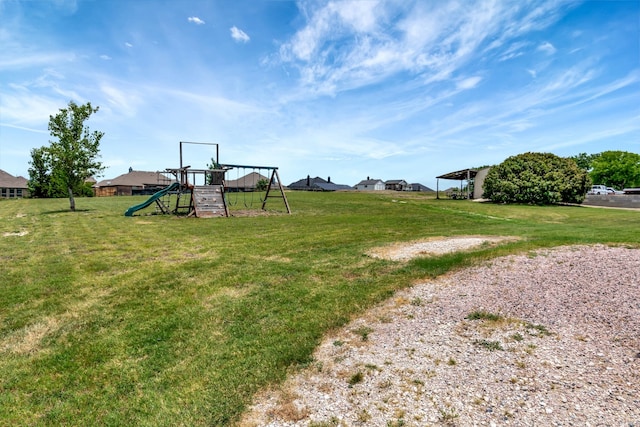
536 178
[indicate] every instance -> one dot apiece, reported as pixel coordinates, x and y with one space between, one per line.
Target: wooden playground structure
207 193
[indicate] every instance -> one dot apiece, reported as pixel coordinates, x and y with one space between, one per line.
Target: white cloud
547 48
360 15
51 83
220 105
469 83
27 129
513 51
120 100
238 35
37 59
346 45
27 108
519 125
105 57
195 20
332 22
127 44
570 79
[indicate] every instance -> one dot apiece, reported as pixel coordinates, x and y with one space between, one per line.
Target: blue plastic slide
152 199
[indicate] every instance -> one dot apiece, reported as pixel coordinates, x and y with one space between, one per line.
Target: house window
11 194
19 192
4 192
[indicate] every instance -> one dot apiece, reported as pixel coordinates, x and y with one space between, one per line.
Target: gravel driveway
551 338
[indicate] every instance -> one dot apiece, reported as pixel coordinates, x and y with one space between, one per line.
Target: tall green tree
73 157
617 169
40 173
262 184
216 177
584 160
536 178
41 183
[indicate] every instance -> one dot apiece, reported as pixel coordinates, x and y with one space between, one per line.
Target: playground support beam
247 166
200 143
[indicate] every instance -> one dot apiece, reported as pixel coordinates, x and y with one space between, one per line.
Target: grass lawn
164 321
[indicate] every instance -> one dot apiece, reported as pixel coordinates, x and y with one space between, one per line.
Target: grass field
165 321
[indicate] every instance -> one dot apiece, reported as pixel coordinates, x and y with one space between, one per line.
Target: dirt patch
17 234
29 339
435 246
253 212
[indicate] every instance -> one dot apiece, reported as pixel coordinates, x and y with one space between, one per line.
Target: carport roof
459 175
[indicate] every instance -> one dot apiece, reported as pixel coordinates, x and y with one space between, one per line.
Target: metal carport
461 175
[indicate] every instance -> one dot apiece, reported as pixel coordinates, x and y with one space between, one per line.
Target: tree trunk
72 201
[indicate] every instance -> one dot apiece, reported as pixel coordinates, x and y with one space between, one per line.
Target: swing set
244 188
253 187
206 193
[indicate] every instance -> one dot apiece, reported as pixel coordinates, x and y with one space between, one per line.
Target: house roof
330 186
248 181
395 181
9 181
459 175
302 183
420 186
370 182
137 179
317 183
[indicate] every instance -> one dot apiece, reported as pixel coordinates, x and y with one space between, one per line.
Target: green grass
484 315
163 321
489 345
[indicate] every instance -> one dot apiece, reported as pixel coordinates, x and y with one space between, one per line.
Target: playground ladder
162 205
188 208
208 201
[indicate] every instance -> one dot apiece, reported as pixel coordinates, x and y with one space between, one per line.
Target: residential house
370 185
419 187
317 184
395 185
133 183
12 186
248 182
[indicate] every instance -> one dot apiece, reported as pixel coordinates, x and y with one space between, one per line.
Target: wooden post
274 176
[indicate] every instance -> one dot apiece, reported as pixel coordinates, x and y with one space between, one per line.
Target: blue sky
393 89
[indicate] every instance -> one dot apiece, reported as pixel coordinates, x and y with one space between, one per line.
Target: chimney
130 169
308 181
368 179
329 179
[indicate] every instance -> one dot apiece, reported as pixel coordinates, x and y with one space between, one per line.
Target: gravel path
546 339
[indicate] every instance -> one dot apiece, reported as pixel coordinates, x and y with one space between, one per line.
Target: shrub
536 178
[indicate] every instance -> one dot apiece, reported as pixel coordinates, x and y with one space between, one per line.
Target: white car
598 189
611 190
